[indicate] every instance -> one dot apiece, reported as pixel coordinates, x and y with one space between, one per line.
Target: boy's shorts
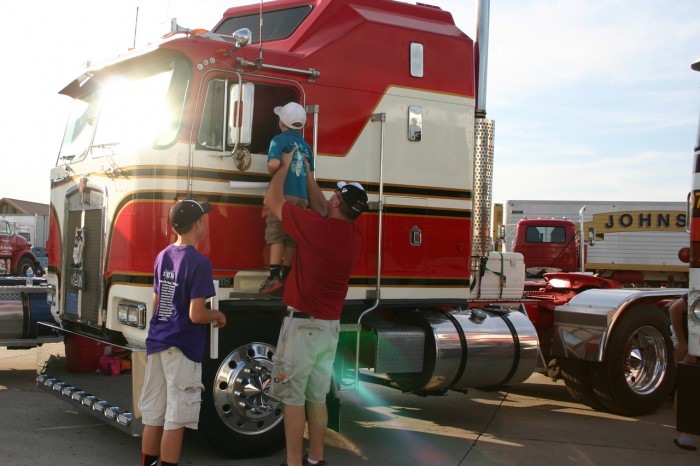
172 391
273 230
303 363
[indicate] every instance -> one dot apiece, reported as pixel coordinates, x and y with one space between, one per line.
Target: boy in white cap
292 118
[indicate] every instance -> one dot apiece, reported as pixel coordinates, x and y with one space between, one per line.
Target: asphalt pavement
534 422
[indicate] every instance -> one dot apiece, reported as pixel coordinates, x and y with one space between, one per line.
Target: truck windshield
126 112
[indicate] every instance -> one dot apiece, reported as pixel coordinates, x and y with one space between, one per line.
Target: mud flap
688 398
333 406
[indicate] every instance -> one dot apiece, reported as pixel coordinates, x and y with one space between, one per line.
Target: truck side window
211 127
265 122
266 98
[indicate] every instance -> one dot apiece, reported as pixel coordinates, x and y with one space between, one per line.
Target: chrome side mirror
242 37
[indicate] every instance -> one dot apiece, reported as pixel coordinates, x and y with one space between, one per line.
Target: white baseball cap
292 115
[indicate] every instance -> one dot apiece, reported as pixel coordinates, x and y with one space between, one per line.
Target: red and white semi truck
632 242
393 98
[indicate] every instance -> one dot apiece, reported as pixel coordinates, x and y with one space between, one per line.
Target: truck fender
582 326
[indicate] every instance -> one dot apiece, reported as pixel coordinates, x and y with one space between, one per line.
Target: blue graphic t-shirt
295 183
181 274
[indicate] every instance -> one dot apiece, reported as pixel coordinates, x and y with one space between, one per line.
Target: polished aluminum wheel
242 390
645 360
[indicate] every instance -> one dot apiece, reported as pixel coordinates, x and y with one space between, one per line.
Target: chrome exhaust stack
483 152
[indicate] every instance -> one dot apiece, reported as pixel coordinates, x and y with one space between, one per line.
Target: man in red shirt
328 245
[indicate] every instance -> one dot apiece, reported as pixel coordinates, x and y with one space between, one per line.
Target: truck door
425 236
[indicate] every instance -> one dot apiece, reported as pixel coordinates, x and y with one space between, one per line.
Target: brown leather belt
297 315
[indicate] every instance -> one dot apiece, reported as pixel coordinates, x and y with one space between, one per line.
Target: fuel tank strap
516 347
463 343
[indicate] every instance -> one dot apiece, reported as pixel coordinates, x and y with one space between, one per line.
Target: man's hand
680 351
287 156
274 198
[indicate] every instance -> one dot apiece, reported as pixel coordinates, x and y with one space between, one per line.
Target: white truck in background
632 242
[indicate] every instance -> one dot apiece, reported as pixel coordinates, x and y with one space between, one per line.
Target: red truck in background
632 242
22 299
16 256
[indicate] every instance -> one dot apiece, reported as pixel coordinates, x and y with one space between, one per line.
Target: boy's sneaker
271 285
305 461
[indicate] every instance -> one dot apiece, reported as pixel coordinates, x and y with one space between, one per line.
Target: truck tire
577 377
237 416
638 373
23 265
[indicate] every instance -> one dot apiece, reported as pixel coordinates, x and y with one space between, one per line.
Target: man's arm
317 201
274 198
678 313
273 165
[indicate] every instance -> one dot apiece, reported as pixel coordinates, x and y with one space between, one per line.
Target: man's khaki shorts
172 391
273 229
303 364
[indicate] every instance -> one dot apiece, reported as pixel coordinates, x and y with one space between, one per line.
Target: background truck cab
16 255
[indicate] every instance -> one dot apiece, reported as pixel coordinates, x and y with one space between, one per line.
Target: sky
592 100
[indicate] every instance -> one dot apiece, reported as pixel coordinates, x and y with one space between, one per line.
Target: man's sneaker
271 285
305 462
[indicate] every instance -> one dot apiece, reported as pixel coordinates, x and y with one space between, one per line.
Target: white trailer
631 238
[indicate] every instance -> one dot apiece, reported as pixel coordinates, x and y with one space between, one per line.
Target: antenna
136 25
261 27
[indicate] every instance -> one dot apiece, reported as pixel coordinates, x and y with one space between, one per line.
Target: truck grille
83 243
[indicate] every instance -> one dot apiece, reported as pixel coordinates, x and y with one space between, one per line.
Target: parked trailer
636 243
393 101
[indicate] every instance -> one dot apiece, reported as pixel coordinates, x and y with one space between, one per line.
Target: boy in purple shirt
182 281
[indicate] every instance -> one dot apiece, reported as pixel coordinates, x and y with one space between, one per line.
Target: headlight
133 314
694 310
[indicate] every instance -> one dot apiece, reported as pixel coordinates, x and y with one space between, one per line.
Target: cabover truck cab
391 94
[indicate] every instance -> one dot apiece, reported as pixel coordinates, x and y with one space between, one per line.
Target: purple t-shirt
181 274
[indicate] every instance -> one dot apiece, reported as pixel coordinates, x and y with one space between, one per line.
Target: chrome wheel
645 360
241 390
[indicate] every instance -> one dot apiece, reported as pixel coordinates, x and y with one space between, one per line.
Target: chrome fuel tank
474 348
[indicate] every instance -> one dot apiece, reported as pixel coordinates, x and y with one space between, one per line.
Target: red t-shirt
327 249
